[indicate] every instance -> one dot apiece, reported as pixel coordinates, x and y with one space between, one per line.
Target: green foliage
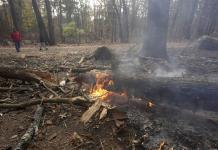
71 30
5 24
28 17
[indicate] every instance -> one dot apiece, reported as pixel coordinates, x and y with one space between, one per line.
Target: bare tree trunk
119 20
133 17
125 22
14 15
157 27
183 19
206 21
61 21
50 23
42 30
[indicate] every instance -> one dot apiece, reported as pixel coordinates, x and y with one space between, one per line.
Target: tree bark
50 23
157 28
41 25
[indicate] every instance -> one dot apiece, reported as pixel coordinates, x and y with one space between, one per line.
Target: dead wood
25 75
6 89
87 69
50 90
91 111
176 91
75 100
32 130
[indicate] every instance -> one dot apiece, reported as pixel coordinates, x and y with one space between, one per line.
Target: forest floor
61 127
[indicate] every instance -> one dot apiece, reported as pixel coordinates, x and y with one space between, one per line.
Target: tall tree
125 22
206 20
157 27
50 23
60 20
118 14
42 30
14 14
182 19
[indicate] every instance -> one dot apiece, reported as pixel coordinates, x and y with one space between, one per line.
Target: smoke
132 65
160 72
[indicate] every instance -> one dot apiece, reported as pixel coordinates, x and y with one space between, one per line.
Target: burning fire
150 104
100 90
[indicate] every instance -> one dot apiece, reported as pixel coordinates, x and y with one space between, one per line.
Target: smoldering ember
109 74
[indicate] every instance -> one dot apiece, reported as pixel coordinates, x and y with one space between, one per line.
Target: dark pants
17 46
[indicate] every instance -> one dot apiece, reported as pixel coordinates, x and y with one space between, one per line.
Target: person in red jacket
16 37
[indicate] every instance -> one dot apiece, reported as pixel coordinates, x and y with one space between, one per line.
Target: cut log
91 111
75 100
25 75
32 130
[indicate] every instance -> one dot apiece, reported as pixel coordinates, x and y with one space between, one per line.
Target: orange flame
103 82
150 104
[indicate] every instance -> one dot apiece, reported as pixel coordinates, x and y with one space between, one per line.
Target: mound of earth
103 53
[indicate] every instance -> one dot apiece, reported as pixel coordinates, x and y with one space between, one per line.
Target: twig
50 90
102 146
62 90
32 130
75 100
6 100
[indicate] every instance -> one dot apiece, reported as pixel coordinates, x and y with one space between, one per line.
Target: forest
108 74
83 21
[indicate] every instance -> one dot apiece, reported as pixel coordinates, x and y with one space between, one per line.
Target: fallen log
190 93
32 130
75 100
25 75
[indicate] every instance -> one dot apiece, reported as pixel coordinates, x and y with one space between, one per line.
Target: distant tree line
76 21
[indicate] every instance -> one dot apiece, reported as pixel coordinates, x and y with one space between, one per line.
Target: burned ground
165 126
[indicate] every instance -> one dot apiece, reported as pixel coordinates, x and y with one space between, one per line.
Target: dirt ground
61 127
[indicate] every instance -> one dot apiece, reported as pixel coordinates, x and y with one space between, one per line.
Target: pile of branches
59 93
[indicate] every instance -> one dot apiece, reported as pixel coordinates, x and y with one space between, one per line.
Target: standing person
42 43
16 37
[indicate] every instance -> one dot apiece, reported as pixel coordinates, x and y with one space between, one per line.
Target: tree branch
75 100
32 130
